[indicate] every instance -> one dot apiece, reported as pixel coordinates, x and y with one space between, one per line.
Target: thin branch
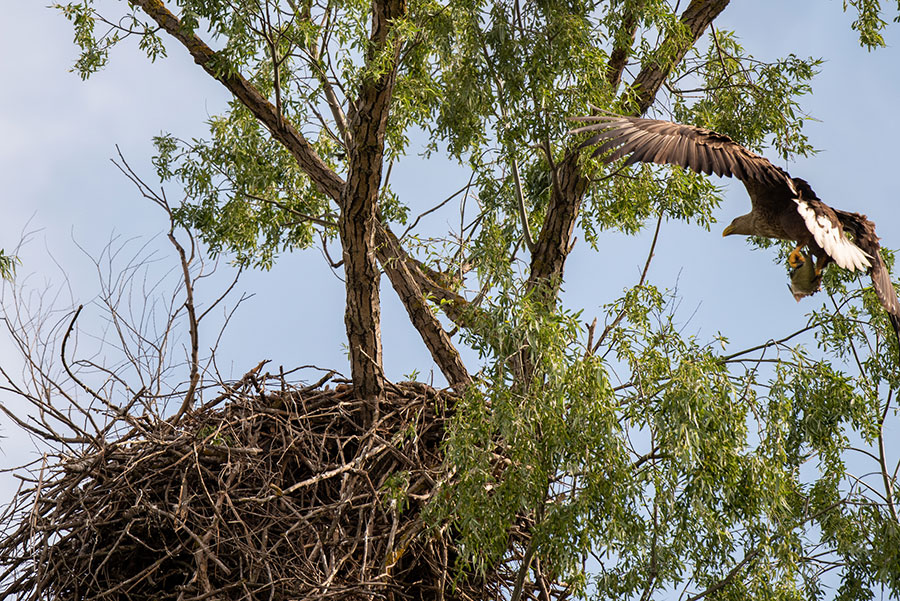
531 549
193 325
520 198
732 574
882 462
437 207
62 355
640 283
767 344
292 211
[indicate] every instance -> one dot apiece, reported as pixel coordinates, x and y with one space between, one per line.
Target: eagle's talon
796 258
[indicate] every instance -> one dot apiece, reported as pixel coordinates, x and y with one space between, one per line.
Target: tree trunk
359 204
555 241
366 161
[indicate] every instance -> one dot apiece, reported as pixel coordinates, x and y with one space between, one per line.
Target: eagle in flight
782 206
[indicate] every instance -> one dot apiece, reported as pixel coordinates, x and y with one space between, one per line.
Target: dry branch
284 494
268 491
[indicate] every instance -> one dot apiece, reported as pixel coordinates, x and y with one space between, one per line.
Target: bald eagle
782 206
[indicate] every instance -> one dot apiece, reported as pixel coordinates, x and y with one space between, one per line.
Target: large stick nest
262 494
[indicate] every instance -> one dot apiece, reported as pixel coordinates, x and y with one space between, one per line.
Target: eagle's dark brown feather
783 207
667 143
863 232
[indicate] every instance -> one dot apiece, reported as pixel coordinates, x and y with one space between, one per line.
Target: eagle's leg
821 262
796 258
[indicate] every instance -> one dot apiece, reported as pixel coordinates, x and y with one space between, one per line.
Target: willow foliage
648 463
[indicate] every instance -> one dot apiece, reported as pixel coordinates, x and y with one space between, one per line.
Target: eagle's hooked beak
728 230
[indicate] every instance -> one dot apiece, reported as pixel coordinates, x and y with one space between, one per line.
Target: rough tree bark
618 58
401 271
696 17
556 237
555 241
359 203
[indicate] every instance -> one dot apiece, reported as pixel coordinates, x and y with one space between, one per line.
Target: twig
523 213
767 344
643 277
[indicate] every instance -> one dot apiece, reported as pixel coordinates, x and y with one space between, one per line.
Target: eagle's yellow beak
728 231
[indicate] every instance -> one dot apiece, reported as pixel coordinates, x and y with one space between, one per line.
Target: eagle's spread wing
667 143
772 190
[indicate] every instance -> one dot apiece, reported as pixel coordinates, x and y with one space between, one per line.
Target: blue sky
58 133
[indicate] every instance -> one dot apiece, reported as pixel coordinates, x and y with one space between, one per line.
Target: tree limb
402 272
696 17
555 240
329 182
618 58
430 282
